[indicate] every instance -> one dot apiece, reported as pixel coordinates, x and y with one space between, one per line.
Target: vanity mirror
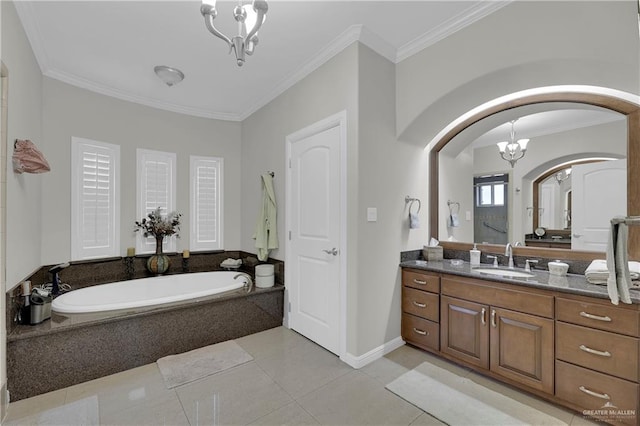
470 127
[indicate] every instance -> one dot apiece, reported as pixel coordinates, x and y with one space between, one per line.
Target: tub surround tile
89 273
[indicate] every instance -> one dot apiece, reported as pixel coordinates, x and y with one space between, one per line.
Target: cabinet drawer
600 350
421 281
600 316
489 293
420 332
421 303
591 390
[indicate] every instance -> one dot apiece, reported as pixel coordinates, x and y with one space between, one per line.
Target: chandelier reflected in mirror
249 17
513 150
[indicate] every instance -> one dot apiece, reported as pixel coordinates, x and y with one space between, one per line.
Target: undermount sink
508 273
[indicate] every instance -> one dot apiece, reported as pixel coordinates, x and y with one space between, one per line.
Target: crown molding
447 28
352 34
92 86
349 36
26 14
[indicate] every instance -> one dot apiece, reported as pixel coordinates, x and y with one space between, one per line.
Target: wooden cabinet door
522 348
464 331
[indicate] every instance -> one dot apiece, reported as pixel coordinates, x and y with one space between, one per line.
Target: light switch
372 214
468 215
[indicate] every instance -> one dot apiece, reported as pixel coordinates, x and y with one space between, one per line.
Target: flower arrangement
159 226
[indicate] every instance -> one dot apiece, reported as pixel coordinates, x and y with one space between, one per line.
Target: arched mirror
459 157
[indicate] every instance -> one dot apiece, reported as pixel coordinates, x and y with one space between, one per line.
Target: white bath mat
457 400
198 363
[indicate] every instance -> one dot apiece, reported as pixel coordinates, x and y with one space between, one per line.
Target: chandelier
514 150
249 17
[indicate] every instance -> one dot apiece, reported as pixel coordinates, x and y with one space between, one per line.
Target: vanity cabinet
578 351
597 356
421 309
516 345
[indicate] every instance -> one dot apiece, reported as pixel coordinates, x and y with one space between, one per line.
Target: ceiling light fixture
249 17
514 150
170 76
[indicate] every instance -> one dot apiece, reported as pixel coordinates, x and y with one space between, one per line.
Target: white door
314 247
599 192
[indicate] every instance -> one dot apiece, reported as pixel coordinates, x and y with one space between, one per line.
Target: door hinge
289 162
289 235
289 308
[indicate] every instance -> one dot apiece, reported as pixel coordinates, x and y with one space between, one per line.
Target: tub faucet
508 251
249 283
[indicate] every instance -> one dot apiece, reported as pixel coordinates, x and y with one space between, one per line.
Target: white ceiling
111 47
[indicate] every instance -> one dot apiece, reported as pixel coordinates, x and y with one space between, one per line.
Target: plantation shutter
156 188
95 203
206 178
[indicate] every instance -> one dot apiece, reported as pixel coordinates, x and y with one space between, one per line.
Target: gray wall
24 191
69 111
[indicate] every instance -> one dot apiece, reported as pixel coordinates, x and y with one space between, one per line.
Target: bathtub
146 292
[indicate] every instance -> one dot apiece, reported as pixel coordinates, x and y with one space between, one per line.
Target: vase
159 262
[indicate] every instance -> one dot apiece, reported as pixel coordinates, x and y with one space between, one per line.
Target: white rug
198 363
457 400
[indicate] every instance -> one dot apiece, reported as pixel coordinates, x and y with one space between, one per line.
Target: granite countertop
571 283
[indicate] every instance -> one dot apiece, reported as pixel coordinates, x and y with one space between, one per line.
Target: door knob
333 251
577 235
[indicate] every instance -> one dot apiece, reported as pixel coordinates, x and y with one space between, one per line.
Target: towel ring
410 200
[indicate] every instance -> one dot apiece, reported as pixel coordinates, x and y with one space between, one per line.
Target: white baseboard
372 355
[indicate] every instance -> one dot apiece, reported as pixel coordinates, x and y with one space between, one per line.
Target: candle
185 254
26 288
131 251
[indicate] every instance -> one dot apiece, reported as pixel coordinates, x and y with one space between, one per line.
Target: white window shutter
95 210
156 187
206 203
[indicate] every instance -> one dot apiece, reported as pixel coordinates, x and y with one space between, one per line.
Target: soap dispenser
474 255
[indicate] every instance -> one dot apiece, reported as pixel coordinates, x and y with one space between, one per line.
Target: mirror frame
542 178
610 102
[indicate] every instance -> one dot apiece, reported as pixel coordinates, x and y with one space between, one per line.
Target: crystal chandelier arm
209 16
261 8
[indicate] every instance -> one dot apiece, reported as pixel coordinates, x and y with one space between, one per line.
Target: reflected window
490 190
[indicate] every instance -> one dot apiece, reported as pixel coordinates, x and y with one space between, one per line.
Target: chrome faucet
249 283
508 251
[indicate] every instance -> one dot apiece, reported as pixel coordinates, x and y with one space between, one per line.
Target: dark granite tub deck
62 351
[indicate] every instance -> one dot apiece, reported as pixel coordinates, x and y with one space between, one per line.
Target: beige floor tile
580 420
275 341
303 369
123 390
384 370
357 399
83 412
426 420
164 410
237 396
562 415
291 414
36 404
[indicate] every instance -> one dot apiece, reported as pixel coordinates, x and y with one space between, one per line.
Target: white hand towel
618 264
414 221
453 220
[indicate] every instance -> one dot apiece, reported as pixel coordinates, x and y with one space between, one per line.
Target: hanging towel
28 159
414 221
453 220
619 280
266 234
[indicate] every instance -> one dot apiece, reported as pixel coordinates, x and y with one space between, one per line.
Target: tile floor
291 381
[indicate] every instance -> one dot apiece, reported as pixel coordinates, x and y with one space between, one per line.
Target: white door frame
336 120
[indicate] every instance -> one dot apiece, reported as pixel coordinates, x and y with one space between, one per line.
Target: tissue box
432 253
